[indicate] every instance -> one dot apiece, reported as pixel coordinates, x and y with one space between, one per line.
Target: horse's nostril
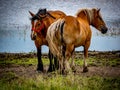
104 30
33 37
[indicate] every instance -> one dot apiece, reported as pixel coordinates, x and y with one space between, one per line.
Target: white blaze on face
33 33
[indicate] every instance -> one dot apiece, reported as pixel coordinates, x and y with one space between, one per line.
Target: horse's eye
99 17
39 24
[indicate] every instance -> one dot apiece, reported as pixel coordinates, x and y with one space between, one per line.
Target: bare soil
94 70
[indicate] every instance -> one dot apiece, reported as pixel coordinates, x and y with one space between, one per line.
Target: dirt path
30 70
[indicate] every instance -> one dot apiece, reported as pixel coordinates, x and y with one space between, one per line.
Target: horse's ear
32 14
98 10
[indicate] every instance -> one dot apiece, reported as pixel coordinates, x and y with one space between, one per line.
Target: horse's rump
71 29
63 31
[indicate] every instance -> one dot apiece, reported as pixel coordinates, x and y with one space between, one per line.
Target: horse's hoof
73 69
85 69
66 72
51 69
40 70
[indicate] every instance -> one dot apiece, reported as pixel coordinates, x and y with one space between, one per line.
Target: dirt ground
30 70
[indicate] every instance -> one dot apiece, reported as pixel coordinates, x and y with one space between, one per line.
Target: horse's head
94 18
98 22
37 23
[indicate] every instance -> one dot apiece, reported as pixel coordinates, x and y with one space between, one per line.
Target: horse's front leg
40 63
51 66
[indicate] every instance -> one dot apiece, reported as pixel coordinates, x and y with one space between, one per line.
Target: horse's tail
61 30
63 48
54 36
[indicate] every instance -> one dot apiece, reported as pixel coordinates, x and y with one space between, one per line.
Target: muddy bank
109 54
105 64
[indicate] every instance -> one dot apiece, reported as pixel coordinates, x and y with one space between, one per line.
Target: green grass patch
52 81
101 59
93 61
59 82
23 61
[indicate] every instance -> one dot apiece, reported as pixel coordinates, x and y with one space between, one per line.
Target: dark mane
34 18
37 15
42 11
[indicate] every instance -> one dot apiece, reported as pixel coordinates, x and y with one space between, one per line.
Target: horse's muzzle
33 38
104 30
33 35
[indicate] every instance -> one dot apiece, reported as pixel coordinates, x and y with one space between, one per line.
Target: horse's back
57 14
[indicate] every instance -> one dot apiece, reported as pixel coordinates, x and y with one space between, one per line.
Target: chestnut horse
66 34
40 23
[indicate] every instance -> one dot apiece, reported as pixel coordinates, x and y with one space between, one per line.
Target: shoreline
78 54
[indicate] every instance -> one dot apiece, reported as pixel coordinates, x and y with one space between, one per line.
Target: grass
93 61
9 80
58 82
22 61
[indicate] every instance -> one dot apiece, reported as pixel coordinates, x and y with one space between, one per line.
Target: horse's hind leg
68 53
72 65
40 63
56 63
85 68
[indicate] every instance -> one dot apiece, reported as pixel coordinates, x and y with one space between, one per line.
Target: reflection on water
16 41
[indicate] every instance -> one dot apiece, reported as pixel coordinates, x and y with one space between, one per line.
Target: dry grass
20 73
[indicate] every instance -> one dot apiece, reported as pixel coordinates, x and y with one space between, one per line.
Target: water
16 41
106 43
15 23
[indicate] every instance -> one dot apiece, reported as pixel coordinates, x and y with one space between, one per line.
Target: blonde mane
88 12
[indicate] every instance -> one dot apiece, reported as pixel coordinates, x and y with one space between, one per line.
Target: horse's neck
83 19
86 16
48 22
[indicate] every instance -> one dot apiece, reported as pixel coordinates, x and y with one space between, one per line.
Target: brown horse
40 23
66 34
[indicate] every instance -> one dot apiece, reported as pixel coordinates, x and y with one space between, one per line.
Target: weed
9 80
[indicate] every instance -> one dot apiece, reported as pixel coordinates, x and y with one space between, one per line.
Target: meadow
18 72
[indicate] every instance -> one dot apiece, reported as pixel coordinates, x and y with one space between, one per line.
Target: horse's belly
77 44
